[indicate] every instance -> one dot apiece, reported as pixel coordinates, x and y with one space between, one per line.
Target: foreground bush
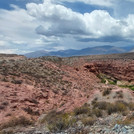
116 107
101 105
14 121
57 121
127 121
97 112
82 110
88 121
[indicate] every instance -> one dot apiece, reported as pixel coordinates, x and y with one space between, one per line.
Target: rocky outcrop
118 69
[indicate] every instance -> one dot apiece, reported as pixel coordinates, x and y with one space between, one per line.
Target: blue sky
31 25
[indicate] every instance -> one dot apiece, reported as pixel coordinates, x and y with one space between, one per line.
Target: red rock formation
119 69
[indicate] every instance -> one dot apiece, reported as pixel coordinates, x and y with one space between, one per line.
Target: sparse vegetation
5 103
88 121
57 121
127 86
101 105
82 110
119 94
30 111
131 106
127 121
118 106
107 79
106 91
97 112
2 107
49 78
14 121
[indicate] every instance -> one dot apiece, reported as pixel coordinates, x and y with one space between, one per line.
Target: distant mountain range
98 50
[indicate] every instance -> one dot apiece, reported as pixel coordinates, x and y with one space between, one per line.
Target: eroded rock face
119 69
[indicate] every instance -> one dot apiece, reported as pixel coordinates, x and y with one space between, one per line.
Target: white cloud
17 27
2 43
16 24
57 20
106 3
128 29
8 51
49 23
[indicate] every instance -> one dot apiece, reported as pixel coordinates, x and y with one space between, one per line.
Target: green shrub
127 86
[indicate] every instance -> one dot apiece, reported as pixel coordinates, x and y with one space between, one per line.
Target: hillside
77 94
86 51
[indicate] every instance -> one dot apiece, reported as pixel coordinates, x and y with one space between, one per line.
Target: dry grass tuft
14 121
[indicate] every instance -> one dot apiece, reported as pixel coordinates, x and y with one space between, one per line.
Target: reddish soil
120 70
31 87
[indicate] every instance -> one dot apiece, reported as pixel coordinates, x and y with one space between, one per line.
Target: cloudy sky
31 25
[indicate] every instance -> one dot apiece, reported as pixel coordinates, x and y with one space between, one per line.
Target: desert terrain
74 95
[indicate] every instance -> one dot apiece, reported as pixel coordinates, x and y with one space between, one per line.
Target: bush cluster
14 121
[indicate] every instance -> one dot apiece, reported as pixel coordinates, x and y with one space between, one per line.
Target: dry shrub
101 105
106 91
124 122
131 106
129 120
94 101
88 121
14 121
31 111
57 121
116 107
82 110
7 132
121 106
97 112
119 94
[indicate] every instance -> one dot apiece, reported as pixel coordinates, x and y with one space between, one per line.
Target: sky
52 25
